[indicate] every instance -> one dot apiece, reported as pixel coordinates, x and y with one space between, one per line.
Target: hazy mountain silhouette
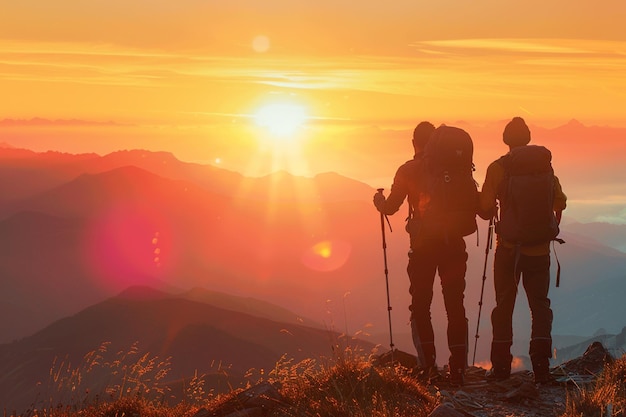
88 194
200 235
24 173
196 335
311 245
592 286
598 305
614 343
41 279
585 254
613 235
247 305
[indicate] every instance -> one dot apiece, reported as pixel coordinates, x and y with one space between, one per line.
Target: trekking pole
482 289
382 228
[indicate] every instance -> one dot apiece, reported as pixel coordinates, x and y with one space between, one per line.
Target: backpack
527 197
448 200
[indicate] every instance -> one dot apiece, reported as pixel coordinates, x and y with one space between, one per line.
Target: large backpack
527 197
448 200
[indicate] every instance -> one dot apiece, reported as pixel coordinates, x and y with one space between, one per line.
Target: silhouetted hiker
433 248
530 204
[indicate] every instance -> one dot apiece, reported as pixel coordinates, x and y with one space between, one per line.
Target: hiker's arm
399 191
487 205
560 200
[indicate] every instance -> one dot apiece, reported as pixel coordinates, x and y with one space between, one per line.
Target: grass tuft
351 386
606 397
346 385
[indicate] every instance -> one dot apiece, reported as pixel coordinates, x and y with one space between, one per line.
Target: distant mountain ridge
614 343
97 225
197 225
247 305
613 235
24 173
194 334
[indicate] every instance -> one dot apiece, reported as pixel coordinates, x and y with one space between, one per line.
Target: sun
282 120
282 135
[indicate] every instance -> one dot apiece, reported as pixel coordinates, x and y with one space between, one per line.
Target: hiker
523 231
427 254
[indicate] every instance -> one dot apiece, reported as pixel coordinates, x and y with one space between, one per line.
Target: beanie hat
516 133
422 133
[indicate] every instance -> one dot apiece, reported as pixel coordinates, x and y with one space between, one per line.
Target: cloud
533 46
40 122
465 78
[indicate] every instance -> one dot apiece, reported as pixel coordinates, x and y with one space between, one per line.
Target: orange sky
190 76
194 62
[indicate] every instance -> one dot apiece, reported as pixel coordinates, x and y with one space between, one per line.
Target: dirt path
517 396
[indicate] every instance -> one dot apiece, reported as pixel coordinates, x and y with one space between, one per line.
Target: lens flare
129 245
327 255
261 44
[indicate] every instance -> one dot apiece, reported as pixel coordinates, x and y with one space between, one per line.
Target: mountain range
80 231
197 332
76 231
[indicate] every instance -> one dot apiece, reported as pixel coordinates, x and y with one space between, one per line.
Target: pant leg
421 270
452 269
536 281
505 283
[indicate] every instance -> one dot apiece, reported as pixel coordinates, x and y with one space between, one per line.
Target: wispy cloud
534 46
472 75
40 122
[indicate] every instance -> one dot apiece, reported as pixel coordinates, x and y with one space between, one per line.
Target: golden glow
517 363
169 80
282 120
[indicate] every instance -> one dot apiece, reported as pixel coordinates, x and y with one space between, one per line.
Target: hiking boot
545 379
543 376
497 374
457 377
541 371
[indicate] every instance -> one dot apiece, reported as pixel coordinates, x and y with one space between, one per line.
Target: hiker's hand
379 202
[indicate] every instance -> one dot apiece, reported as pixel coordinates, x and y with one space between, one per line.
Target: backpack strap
518 254
410 203
558 264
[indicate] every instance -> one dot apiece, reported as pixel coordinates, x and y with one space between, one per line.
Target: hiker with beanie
522 189
429 253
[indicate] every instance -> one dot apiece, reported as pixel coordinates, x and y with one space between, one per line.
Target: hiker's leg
421 270
452 268
505 284
536 270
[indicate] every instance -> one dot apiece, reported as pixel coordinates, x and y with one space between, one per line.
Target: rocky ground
519 396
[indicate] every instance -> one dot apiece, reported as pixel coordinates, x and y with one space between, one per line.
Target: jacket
405 185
